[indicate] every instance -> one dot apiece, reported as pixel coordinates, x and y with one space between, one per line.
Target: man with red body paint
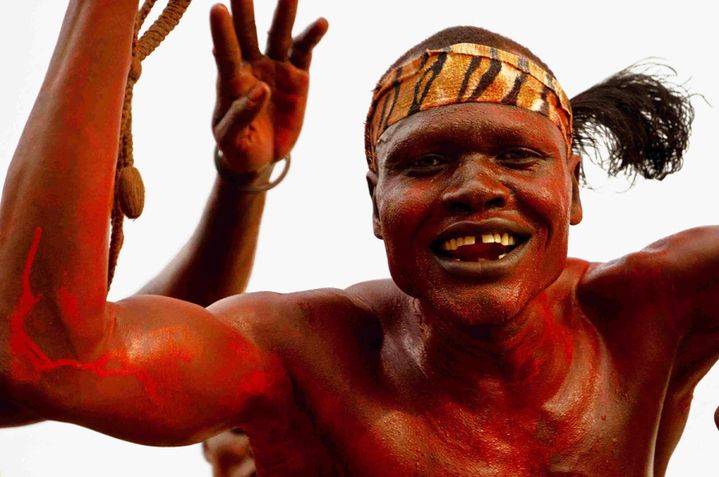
527 366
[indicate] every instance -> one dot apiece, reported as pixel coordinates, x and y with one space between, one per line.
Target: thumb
241 113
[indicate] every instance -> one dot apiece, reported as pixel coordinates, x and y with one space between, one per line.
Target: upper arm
675 278
689 263
166 373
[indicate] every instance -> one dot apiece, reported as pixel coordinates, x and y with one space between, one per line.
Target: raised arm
253 130
690 267
685 270
134 369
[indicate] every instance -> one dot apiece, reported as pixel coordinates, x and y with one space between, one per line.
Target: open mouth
473 248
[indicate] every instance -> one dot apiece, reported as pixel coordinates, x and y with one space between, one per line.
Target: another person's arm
217 260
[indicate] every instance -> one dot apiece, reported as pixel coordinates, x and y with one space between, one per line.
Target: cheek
402 208
549 201
403 211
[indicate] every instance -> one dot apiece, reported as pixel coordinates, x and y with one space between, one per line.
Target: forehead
473 125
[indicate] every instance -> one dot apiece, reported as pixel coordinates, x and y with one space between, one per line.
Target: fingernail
256 93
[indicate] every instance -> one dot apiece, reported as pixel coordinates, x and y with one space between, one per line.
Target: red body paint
556 398
21 346
390 378
69 308
30 362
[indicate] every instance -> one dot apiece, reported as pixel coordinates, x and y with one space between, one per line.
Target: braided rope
129 199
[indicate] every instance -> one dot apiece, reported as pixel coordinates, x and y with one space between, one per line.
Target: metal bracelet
241 183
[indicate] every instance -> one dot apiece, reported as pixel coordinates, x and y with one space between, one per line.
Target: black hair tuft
639 117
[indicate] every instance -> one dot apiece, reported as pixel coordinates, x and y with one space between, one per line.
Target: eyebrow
492 135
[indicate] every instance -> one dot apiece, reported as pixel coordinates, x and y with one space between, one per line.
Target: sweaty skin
534 364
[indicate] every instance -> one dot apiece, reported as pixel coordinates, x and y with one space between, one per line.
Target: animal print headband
464 73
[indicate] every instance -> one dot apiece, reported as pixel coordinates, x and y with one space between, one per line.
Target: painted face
474 202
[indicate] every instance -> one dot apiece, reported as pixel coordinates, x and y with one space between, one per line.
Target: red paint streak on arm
158 359
69 308
21 347
30 362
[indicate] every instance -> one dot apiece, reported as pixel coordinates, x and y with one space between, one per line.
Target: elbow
47 333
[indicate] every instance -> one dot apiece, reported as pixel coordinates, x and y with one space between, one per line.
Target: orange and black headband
464 73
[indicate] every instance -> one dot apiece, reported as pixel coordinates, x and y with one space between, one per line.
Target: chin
480 304
479 294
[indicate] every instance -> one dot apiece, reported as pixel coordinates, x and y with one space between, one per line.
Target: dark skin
217 260
534 364
258 116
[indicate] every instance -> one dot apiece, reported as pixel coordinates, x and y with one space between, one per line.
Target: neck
526 356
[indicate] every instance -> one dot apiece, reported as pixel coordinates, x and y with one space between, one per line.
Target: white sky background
317 228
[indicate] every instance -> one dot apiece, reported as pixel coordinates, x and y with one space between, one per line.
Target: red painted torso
349 411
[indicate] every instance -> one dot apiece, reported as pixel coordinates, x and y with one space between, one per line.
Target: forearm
58 192
217 261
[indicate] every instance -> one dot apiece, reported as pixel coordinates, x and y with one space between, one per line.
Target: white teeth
504 239
501 256
455 243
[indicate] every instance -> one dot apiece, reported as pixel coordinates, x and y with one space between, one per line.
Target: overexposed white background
317 229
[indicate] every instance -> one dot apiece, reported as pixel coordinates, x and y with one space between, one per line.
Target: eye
428 161
520 157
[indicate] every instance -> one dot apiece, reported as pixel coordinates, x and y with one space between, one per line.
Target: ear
575 213
372 186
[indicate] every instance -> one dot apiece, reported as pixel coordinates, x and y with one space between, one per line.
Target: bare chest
346 418
587 429
501 439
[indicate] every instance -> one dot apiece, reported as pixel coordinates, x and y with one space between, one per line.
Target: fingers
226 49
279 38
240 114
305 42
243 15
240 26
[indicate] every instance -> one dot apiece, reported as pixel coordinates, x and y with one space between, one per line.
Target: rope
129 199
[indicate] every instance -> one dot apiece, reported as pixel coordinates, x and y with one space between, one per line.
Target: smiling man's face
474 203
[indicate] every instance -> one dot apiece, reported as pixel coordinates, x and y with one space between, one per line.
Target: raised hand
261 98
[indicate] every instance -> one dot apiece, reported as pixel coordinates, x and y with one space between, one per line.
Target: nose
475 186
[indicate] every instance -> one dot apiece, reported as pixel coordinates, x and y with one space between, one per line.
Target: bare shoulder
621 286
659 280
376 295
306 319
659 264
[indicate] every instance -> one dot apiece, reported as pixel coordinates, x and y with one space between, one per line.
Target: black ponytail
642 121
